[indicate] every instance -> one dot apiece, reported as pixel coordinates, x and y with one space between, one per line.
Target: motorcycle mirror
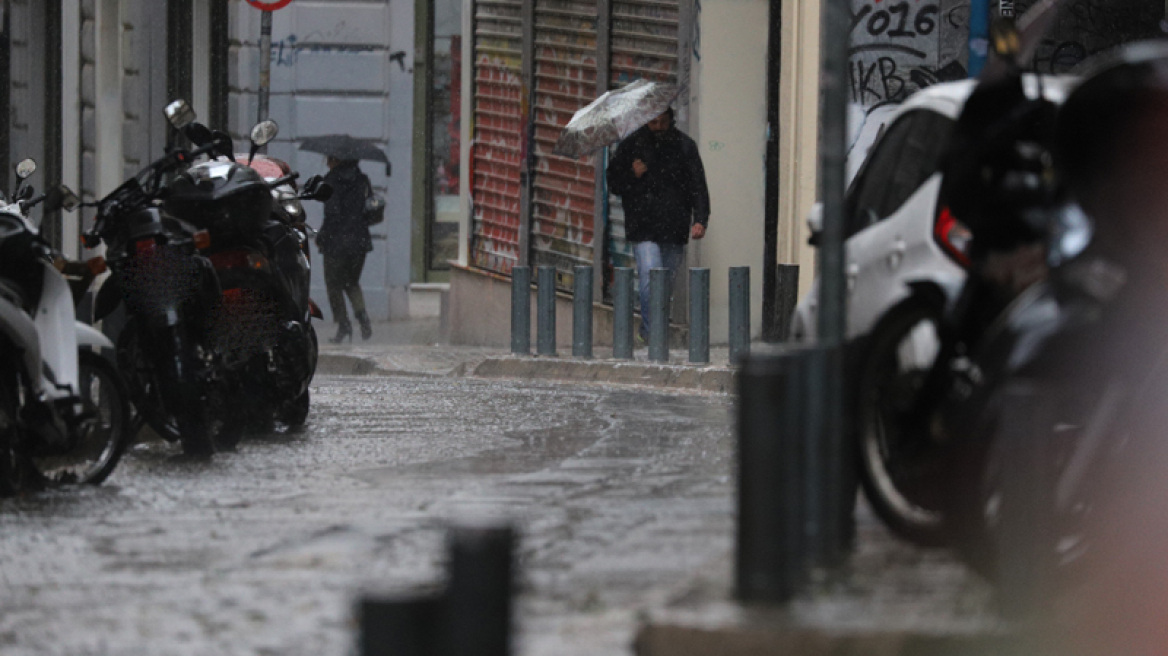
179 114
25 169
317 189
223 144
264 132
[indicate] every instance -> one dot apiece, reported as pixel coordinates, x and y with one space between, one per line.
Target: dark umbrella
614 116
342 146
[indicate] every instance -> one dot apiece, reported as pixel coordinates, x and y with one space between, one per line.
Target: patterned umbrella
614 116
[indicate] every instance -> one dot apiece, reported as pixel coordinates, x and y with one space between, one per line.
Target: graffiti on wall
1086 28
900 46
895 49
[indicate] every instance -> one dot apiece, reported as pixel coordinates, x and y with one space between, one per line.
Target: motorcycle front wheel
103 437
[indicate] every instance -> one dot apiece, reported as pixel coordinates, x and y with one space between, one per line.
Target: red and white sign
269 5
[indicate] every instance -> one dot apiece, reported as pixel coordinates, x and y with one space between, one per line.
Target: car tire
900 464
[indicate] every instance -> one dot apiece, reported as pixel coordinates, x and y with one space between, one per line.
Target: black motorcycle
170 290
1068 407
262 328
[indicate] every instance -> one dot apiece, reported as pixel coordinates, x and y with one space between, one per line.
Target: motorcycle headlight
291 204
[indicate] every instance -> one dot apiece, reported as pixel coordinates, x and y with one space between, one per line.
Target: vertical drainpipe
600 205
71 121
53 86
421 176
5 93
527 108
219 93
979 35
770 256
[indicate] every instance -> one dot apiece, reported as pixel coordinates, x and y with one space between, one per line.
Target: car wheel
900 464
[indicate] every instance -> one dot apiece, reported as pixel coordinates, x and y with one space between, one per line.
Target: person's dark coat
344 231
672 195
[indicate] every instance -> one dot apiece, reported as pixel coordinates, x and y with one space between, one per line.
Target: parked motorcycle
262 329
1067 408
170 290
64 415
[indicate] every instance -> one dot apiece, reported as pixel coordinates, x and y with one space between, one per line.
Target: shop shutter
563 189
644 45
498 128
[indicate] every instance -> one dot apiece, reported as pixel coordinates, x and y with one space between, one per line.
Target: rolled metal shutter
496 155
644 45
563 189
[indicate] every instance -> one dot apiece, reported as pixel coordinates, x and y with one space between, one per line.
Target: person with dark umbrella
344 241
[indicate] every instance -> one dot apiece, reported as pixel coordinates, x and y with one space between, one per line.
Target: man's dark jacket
662 204
344 231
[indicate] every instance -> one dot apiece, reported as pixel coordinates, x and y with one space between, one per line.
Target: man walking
658 174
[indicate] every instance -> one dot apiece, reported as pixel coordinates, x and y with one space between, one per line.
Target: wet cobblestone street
623 498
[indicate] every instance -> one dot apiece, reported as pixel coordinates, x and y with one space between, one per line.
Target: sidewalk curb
343 364
761 640
705 379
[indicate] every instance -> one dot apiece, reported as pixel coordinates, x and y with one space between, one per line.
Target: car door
889 212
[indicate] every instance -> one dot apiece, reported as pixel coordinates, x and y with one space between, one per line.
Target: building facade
339 67
529 64
86 84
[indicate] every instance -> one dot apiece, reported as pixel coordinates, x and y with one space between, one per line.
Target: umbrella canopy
614 116
342 146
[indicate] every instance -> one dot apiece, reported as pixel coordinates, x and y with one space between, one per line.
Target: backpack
374 211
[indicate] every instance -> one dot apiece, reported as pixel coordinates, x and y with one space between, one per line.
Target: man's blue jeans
653 255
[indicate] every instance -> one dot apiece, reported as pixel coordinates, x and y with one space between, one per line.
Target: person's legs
648 256
356 296
335 283
673 258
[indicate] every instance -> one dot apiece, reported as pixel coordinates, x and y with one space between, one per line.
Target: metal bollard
786 297
582 313
622 313
658 315
478 608
830 477
771 562
739 313
545 323
521 310
399 626
699 316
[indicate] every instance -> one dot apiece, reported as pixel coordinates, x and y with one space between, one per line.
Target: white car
905 262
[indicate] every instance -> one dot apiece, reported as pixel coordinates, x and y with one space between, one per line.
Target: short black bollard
658 315
582 313
739 313
771 563
785 300
399 626
622 313
521 310
699 316
829 463
545 320
478 609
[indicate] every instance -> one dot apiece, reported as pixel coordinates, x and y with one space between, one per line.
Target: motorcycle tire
899 471
104 441
9 463
295 412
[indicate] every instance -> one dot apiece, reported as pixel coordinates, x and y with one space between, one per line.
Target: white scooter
63 411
